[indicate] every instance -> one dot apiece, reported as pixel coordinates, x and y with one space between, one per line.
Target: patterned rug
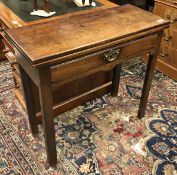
6 80
102 137
163 142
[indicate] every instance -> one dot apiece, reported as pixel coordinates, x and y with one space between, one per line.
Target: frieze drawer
168 54
171 2
167 12
109 58
170 37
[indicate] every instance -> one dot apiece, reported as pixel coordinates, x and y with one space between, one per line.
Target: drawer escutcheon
111 55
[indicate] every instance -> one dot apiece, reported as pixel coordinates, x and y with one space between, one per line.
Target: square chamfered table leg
146 86
29 101
46 102
116 79
148 78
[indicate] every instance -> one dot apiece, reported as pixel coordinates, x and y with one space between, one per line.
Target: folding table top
44 43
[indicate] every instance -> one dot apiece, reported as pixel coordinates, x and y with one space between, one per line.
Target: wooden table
61 51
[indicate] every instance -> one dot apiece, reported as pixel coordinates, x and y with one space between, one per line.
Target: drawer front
170 37
93 63
172 2
168 54
166 12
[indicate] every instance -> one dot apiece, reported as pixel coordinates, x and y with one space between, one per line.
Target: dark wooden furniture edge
63 58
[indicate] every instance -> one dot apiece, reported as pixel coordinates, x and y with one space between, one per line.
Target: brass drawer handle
163 54
111 55
170 18
168 38
173 20
174 2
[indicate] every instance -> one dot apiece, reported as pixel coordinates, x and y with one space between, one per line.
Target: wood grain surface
81 32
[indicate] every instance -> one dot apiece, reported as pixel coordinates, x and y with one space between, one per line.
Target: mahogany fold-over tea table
64 50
